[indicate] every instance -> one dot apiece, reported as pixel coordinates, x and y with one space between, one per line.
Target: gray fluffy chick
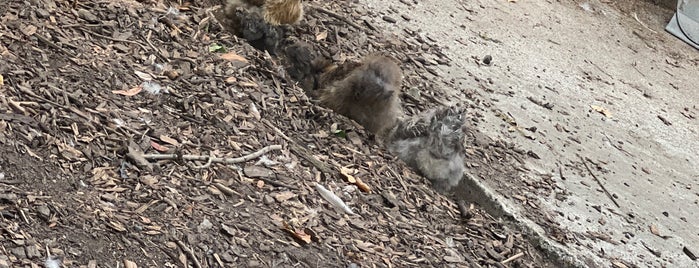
432 143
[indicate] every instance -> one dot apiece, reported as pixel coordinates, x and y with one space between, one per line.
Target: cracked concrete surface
586 58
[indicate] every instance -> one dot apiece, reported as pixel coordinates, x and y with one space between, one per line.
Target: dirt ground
84 84
602 97
87 87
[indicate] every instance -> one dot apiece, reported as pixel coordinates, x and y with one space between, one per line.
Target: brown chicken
259 21
274 12
366 92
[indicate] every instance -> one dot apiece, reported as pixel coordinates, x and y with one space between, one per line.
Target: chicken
259 22
432 144
274 12
304 65
367 91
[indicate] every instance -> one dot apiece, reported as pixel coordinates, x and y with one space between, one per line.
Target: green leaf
217 48
340 133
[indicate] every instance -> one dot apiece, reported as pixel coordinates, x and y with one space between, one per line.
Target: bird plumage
259 21
432 143
366 91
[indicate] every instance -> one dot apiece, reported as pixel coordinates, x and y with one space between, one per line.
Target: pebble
389 19
267 200
87 15
205 225
33 252
18 252
487 59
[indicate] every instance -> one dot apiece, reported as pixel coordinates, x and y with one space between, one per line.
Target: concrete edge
477 192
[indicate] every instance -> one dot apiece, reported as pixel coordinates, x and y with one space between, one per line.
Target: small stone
689 253
487 59
42 13
205 225
389 19
368 24
87 15
33 251
19 252
267 199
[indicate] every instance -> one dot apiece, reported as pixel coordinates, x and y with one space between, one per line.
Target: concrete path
625 95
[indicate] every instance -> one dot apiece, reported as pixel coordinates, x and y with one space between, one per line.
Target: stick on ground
598 181
211 159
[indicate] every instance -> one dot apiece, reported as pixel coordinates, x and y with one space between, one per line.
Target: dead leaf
169 140
346 172
117 226
158 147
129 264
362 186
283 196
130 92
654 230
452 259
247 84
254 112
144 76
228 230
601 110
183 259
232 56
148 180
322 35
300 235
231 80
618 264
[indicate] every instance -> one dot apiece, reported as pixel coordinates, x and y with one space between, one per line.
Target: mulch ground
86 84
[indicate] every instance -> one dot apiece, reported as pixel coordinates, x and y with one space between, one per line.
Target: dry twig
584 160
211 159
516 256
189 252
